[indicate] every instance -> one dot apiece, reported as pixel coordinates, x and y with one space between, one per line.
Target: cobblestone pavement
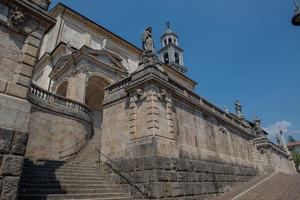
276 187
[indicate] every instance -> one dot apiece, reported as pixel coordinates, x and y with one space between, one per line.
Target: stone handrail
38 94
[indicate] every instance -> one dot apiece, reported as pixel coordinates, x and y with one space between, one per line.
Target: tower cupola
170 53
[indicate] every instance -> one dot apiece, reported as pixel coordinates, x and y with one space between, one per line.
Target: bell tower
170 53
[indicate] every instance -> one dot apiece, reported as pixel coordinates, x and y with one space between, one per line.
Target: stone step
71 191
73 196
66 174
54 162
66 178
127 198
62 182
70 186
75 170
61 167
54 180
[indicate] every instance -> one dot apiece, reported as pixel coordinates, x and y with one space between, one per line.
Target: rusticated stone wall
12 150
172 178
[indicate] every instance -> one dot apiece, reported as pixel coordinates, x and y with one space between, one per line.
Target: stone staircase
55 180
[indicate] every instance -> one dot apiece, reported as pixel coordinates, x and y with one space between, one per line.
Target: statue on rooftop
148 56
257 126
238 110
147 40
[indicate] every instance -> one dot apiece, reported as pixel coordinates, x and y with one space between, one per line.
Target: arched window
176 57
170 40
166 58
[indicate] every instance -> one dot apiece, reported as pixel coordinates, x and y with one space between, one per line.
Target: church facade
73 91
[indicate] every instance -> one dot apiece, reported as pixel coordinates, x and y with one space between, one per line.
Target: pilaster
77 87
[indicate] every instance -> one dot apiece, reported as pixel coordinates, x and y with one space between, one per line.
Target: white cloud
294 132
275 129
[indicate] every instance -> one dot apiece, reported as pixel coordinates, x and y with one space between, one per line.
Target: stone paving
275 187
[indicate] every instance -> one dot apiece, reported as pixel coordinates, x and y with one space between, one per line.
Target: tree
296 157
291 139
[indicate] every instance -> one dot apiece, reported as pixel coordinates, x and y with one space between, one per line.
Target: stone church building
85 114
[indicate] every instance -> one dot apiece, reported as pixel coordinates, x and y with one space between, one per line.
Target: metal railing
132 180
72 150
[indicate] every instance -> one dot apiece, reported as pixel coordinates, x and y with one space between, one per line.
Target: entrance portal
94 98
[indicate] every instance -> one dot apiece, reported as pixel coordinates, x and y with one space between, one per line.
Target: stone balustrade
119 85
41 97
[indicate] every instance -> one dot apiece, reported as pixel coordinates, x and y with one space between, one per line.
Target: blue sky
235 49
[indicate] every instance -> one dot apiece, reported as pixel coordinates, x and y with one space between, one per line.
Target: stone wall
205 137
177 143
281 162
12 150
21 33
180 128
270 157
22 27
164 140
51 132
173 178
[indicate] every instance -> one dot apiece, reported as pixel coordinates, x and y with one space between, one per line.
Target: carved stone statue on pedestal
148 56
238 110
147 40
257 127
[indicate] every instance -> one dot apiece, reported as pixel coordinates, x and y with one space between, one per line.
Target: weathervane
168 25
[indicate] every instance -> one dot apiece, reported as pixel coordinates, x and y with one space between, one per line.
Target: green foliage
291 139
296 157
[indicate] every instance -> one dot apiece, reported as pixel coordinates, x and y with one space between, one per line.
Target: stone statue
147 40
148 56
257 127
257 123
238 110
